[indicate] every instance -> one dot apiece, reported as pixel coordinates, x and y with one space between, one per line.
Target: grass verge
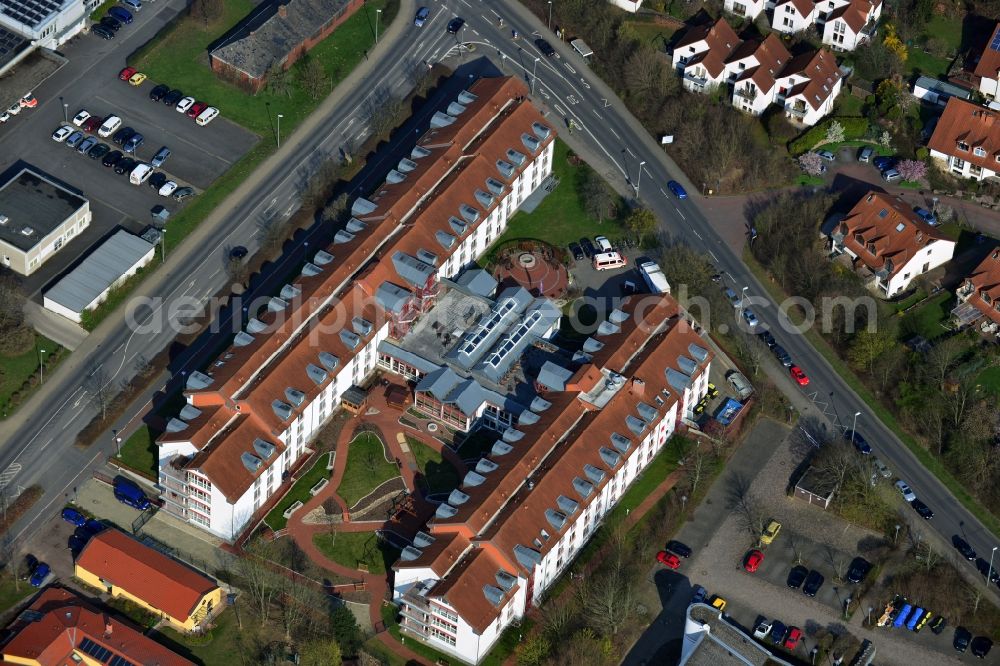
298 493
102 9
353 549
20 376
13 592
220 645
437 474
20 506
367 468
139 452
935 466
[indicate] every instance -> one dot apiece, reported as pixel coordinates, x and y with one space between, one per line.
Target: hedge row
854 128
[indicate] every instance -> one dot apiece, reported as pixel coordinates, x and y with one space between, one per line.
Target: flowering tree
811 163
885 139
835 132
912 170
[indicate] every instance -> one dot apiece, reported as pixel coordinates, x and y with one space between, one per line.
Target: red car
793 638
669 560
126 73
93 123
798 375
196 109
753 560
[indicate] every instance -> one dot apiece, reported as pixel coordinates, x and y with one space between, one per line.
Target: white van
207 116
140 174
605 261
110 126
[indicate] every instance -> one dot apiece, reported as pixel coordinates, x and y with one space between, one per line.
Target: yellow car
137 79
718 602
770 532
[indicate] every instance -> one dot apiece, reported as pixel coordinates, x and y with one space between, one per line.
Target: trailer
581 47
654 277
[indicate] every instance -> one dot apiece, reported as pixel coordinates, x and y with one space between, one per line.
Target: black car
545 47
238 252
938 625
883 163
123 135
111 23
962 546
922 509
76 543
102 32
858 570
782 356
576 251
767 339
172 97
112 158
98 151
588 247
962 638
678 548
860 443
984 566
814 581
125 165
157 180
157 93
797 576
981 646
30 564
455 25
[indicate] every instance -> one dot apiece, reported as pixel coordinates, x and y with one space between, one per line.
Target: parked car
797 576
669 560
699 594
859 442
183 193
92 124
767 338
962 638
240 252
679 548
750 318
137 79
121 14
793 638
207 115
126 73
172 97
160 157
157 180
782 355
814 581
76 544
739 384
981 646
111 23
939 624
858 570
770 532
826 155
881 468
455 25
800 377
61 133
99 151
133 143
86 145
752 560
81 117
866 154
545 48
882 162
717 602
732 297
904 489
30 564
125 165
677 189
588 247
603 244
985 567
39 575
75 138
123 135
185 104
890 175
73 517
963 547
167 189
94 526
196 109
420 18
778 631
103 32
28 101
576 251
922 509
129 493
762 629
112 158
158 92
927 216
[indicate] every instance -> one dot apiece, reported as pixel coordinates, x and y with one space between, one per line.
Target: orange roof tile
986 279
721 39
145 573
803 7
462 589
988 66
772 56
823 72
975 127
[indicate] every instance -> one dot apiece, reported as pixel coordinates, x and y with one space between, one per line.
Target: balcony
697 82
796 111
870 29
749 94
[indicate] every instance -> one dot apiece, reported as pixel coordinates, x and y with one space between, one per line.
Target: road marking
715 258
597 113
94 371
562 111
615 133
570 68
697 234
572 99
76 403
8 474
682 216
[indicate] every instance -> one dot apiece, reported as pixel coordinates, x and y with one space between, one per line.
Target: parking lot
199 154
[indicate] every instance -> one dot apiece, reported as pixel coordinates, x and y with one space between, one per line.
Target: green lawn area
926 320
9 596
651 33
139 451
560 217
221 645
946 28
663 464
298 493
989 380
16 370
926 64
439 476
910 300
367 468
806 180
352 549
848 105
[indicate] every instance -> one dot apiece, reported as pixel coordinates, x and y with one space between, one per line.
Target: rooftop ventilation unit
255 326
567 505
457 225
264 449
445 511
406 166
394 177
362 206
485 466
251 462
276 304
310 270
634 424
289 292
322 258
350 340
647 412
484 198
516 157
410 553
556 518
493 594
243 339
4 220
27 231
342 237
295 396
620 442
189 412
473 479
354 225
469 213
176 425
527 557
466 98
457 498
444 238
500 449
282 409
505 168
593 473
505 580
317 374
329 361
494 186
540 130
422 539
418 152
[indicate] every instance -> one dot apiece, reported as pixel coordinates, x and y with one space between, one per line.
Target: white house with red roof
979 295
809 85
988 67
756 86
791 16
847 24
967 140
701 54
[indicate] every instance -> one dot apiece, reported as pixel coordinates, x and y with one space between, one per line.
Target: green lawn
221 645
910 300
662 465
946 28
848 105
298 493
367 468
989 380
11 596
439 476
139 451
927 319
560 217
651 33
16 372
352 549
926 64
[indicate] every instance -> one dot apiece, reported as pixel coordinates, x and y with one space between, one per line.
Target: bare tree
259 580
838 561
974 594
277 81
940 358
695 468
299 601
142 366
237 270
609 601
336 210
331 511
599 201
797 543
101 389
746 505
381 109
313 78
752 351
207 11
272 233
928 555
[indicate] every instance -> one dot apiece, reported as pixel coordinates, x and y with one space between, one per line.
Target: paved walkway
54 327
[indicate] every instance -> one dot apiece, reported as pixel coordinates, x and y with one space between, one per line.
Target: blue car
778 631
121 14
882 163
699 595
422 15
677 189
94 526
859 442
39 575
927 216
73 517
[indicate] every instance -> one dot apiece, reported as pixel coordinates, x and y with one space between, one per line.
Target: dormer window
979 152
963 146
986 297
870 247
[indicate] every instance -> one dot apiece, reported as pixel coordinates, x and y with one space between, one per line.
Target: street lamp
163 245
897 534
743 293
117 442
41 365
990 570
378 12
550 15
684 501
639 180
65 112
854 428
533 69
279 129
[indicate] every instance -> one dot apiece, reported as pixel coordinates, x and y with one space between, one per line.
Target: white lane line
713 256
681 214
662 192
562 112
611 129
697 234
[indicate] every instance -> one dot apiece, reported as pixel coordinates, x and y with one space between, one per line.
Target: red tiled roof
985 279
889 226
803 7
854 14
145 573
988 66
721 40
823 72
972 125
462 588
773 57
66 621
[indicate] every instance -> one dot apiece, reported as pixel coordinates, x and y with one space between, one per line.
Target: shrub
811 163
912 170
17 341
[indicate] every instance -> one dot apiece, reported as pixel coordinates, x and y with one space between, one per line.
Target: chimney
638 387
283 11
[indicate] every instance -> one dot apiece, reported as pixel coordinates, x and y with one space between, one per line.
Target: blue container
903 614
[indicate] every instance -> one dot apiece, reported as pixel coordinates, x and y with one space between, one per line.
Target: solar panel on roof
98 652
120 661
995 44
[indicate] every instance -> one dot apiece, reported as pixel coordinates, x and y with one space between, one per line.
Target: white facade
989 86
937 254
788 19
55 29
963 168
628 5
749 9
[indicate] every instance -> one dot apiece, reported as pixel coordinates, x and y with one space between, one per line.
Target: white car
908 494
603 244
4 117
60 134
168 188
762 630
14 110
81 117
185 104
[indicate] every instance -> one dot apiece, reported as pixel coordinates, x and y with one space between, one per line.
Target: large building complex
250 415
525 510
46 23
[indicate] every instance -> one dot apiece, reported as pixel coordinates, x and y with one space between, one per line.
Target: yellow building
123 567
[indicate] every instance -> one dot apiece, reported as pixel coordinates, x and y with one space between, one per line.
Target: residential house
701 53
988 67
755 87
979 295
60 628
889 244
847 24
525 511
747 9
277 33
250 416
808 86
118 564
935 91
791 16
631 6
967 140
